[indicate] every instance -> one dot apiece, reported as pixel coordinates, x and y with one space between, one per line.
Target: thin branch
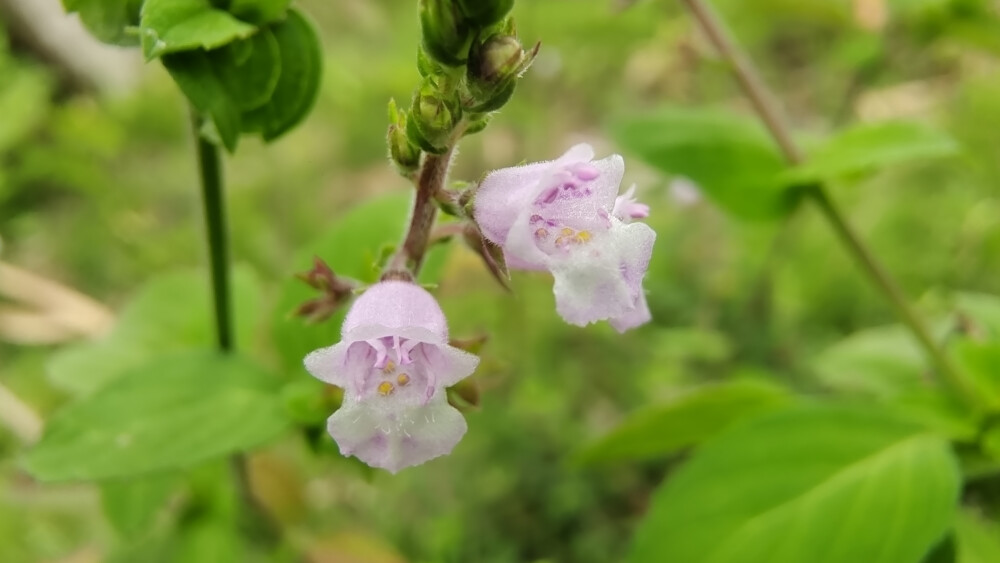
767 108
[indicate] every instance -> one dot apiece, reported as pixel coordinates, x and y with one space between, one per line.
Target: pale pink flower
566 216
394 362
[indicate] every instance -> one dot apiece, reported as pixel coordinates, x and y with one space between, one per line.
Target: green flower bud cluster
469 60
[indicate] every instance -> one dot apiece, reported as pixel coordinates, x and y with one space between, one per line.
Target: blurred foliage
898 101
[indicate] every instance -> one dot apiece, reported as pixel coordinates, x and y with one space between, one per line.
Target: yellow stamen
403 379
566 232
389 367
385 388
583 236
541 233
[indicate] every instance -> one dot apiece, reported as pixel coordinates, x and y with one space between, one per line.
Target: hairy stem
767 108
406 263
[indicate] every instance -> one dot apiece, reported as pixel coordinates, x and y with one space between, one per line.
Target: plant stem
767 108
406 263
218 244
255 521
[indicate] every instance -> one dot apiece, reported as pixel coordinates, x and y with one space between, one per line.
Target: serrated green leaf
351 246
170 313
131 505
171 413
108 20
171 26
195 76
298 85
688 420
978 539
813 483
728 156
869 146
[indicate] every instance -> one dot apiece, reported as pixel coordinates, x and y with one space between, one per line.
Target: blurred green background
98 193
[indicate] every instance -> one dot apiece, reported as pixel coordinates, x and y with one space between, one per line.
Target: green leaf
131 505
209 541
24 102
869 146
108 20
688 420
979 362
170 313
983 309
171 413
352 247
881 361
170 26
815 483
978 539
728 156
248 69
298 85
195 76
259 11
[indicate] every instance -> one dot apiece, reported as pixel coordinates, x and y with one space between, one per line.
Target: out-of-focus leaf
297 87
131 505
195 76
979 363
170 313
248 69
983 309
171 413
813 483
728 156
662 430
170 26
209 541
352 247
937 412
869 146
24 102
882 361
108 20
978 539
259 11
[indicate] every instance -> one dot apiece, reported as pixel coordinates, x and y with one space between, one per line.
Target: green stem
256 523
209 165
767 108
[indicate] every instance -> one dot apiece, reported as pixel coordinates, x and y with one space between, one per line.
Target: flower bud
446 33
403 153
433 118
484 13
426 66
493 69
